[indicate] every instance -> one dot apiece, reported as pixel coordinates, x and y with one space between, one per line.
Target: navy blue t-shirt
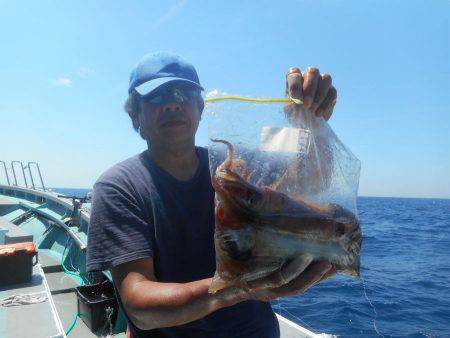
140 210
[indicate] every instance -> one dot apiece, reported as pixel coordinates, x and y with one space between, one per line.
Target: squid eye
253 199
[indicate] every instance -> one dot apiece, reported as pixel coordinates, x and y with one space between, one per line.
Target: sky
64 69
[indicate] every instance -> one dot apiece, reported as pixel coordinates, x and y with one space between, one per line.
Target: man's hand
312 274
313 89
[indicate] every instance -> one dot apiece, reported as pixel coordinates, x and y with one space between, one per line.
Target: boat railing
11 175
39 172
6 171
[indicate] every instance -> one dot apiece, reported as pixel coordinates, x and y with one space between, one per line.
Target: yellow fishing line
248 99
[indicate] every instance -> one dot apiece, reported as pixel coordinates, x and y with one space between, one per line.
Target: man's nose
172 106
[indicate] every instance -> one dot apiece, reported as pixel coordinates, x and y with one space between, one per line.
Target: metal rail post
23 172
39 172
6 172
14 173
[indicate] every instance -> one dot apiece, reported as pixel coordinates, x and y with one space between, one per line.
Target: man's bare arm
151 304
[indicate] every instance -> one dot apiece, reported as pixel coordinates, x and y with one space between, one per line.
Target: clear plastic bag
286 191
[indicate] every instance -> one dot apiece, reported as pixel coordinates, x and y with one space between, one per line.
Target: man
152 219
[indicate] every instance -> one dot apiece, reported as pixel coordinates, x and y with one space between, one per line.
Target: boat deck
50 318
55 315
31 320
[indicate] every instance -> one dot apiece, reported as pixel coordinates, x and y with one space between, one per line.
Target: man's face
171 116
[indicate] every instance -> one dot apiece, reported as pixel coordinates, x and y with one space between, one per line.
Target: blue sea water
404 290
71 191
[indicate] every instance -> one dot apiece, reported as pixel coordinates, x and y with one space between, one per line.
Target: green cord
67 270
82 283
72 324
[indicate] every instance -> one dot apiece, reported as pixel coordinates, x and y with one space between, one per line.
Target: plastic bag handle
249 99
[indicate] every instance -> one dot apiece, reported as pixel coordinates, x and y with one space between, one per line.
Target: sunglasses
172 94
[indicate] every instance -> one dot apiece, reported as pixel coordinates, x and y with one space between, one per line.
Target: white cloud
215 92
62 81
84 72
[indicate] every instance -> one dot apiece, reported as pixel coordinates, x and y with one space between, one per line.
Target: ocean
404 290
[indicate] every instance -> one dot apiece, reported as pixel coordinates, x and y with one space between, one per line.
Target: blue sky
64 73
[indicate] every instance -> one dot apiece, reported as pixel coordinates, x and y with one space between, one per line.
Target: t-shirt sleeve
118 230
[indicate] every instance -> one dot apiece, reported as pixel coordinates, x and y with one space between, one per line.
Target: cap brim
149 86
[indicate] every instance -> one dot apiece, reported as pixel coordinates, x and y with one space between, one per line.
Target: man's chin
176 134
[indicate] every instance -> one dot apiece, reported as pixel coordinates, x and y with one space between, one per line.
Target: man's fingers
328 274
311 81
327 114
326 107
294 83
314 91
309 277
285 275
294 268
321 92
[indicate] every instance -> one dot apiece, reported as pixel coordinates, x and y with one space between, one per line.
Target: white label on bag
290 140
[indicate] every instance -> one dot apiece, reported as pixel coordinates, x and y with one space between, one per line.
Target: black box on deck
16 263
96 303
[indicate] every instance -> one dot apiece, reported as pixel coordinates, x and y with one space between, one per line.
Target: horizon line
359 196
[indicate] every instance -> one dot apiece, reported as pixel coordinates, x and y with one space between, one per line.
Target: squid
261 232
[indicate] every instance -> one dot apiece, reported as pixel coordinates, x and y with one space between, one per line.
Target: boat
56 296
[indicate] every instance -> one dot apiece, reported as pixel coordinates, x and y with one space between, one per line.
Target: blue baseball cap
157 69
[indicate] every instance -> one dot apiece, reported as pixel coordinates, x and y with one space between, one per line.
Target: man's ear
140 130
201 106
134 120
